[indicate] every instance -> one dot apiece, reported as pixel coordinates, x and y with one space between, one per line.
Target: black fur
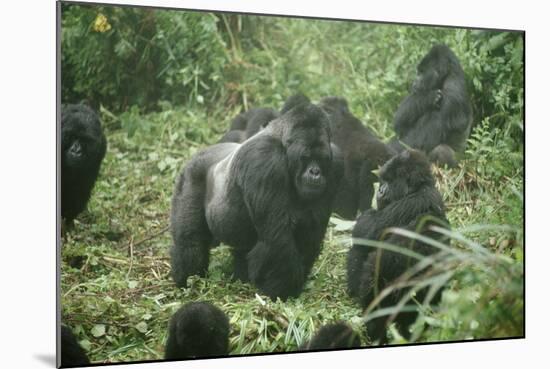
197 329
269 198
72 354
247 124
363 152
294 101
407 195
437 116
333 336
83 147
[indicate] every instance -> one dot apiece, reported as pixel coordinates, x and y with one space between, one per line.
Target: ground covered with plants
167 84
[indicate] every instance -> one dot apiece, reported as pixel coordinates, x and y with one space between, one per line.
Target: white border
27 186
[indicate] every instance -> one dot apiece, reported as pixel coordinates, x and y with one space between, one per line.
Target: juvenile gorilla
333 336
437 116
247 124
407 198
362 152
83 147
197 329
269 198
72 354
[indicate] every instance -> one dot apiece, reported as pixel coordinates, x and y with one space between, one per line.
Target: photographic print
239 184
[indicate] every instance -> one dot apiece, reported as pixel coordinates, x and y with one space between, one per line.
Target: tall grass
484 298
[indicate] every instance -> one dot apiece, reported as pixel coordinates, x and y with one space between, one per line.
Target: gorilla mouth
312 188
315 184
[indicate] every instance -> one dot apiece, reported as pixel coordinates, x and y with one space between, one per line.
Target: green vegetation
168 84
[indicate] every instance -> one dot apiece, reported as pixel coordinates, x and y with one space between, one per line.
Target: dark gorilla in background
269 199
83 147
333 336
437 116
72 354
362 151
247 124
197 329
407 198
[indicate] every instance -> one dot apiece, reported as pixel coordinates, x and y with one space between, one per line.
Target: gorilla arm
449 124
372 224
413 107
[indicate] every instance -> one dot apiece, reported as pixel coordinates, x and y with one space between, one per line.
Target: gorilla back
362 151
269 198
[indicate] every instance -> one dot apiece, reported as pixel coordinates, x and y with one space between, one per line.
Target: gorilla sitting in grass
437 116
407 198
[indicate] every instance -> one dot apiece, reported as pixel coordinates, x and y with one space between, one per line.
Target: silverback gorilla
362 152
407 198
83 147
437 116
197 329
269 198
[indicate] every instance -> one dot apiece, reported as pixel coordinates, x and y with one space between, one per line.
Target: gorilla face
310 161
77 151
432 70
80 140
398 180
426 80
311 178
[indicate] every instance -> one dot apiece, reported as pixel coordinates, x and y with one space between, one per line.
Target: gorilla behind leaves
83 147
407 198
437 116
269 199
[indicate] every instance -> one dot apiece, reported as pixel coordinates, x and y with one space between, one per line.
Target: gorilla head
83 143
248 123
337 335
307 142
197 329
434 68
402 175
294 100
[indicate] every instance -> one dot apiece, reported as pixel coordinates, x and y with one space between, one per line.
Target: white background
27 182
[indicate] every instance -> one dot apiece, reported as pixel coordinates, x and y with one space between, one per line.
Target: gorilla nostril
314 171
